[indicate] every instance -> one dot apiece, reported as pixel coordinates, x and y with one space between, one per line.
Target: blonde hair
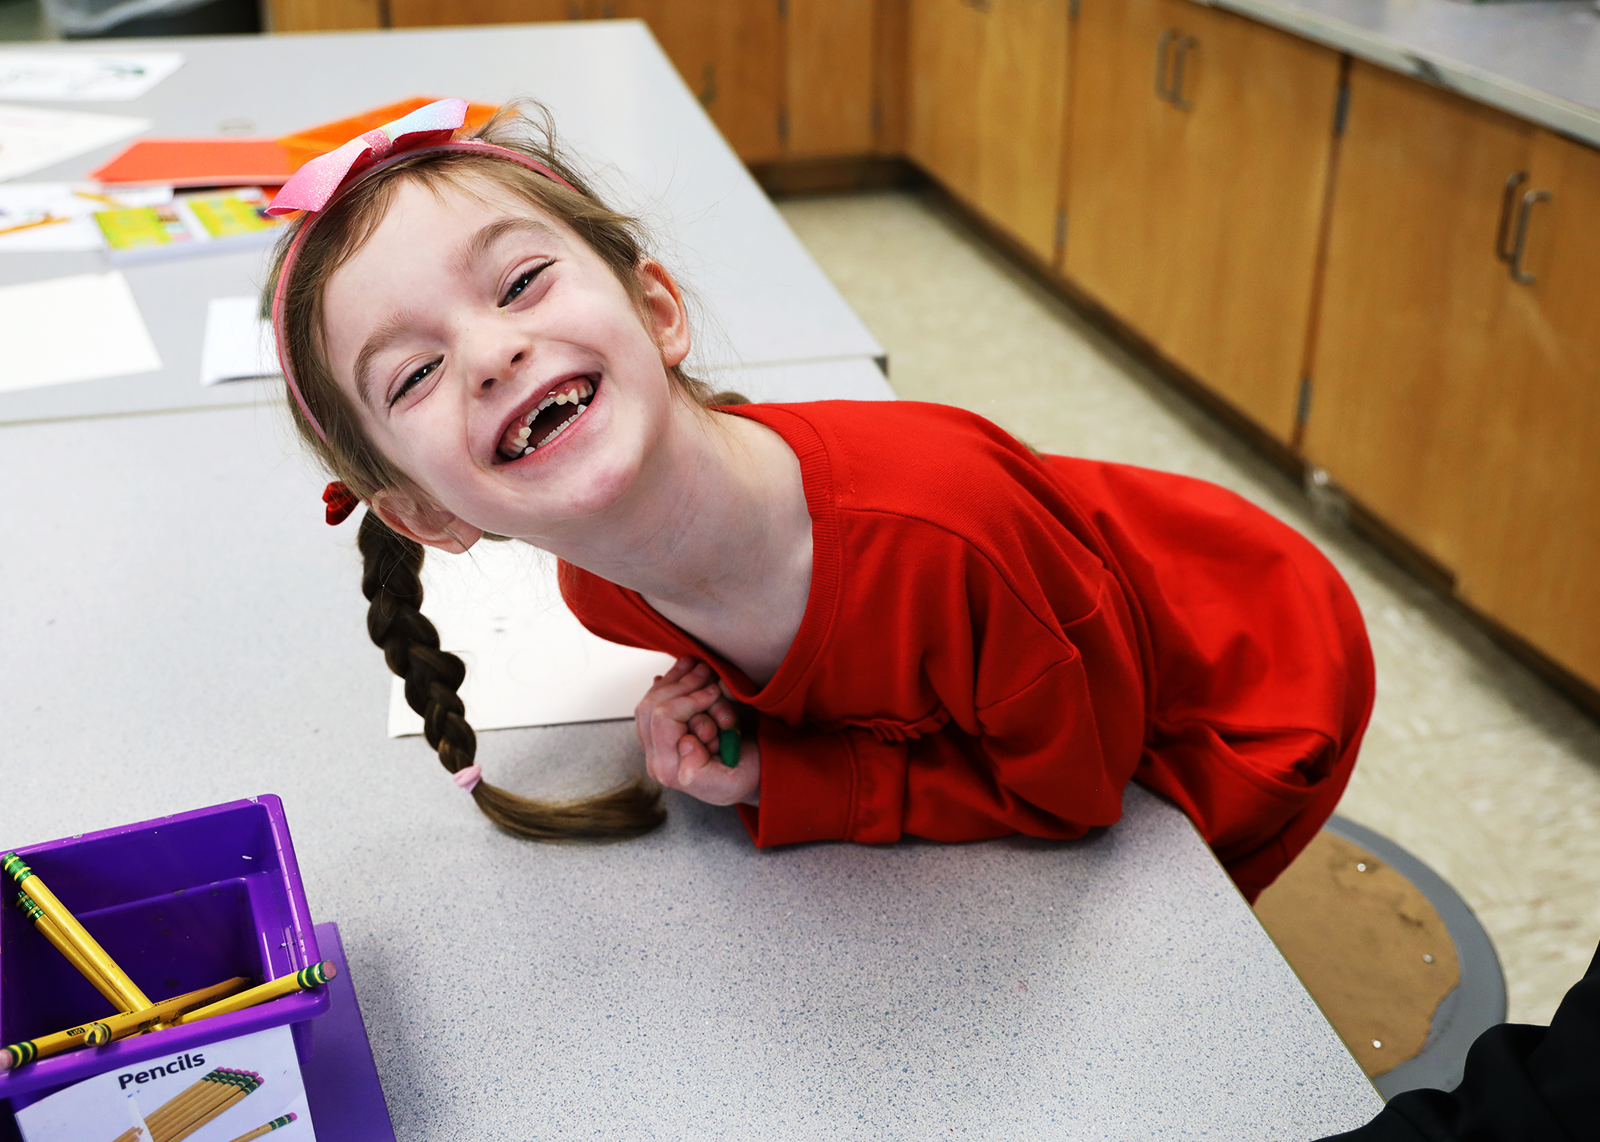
392 562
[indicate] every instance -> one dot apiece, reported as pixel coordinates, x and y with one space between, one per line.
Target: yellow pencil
235 1087
174 1105
131 1134
47 220
131 998
113 1026
61 944
275 1124
93 197
303 980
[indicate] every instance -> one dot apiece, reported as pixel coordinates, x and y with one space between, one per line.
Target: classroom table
619 107
181 629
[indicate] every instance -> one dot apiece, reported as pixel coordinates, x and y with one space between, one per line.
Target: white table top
619 107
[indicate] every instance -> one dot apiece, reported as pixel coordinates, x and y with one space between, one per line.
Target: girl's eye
523 282
412 382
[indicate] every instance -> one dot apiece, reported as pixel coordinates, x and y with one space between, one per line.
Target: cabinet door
945 57
1412 293
322 15
1022 106
437 13
730 54
1196 216
1531 553
1122 225
988 107
830 81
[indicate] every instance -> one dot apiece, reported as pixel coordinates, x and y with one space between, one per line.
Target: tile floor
1473 764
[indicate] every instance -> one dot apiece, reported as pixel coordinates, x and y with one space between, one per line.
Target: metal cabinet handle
1518 274
1501 249
1184 46
1163 52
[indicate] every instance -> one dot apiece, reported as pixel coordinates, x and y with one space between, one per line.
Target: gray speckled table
1539 60
180 629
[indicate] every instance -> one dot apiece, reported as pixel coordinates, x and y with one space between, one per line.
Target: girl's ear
665 316
417 517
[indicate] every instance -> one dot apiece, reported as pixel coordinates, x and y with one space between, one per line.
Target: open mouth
557 412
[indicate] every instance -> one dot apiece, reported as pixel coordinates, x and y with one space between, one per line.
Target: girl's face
497 361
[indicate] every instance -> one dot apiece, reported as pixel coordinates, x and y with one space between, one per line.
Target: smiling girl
934 630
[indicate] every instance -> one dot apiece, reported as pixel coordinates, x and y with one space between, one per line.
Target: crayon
302 980
112 1027
50 932
131 998
728 747
268 1128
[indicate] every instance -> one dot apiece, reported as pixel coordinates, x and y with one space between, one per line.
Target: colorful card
190 222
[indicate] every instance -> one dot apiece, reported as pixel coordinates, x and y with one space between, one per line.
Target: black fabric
1521 1084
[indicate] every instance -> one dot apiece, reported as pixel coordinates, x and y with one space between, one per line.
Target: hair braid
391 580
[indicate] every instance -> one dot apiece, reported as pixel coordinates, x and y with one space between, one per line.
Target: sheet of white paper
80 328
32 138
24 202
529 661
98 76
238 343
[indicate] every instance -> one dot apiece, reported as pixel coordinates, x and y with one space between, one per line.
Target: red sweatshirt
996 642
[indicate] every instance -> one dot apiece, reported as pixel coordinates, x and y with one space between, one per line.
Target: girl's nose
488 382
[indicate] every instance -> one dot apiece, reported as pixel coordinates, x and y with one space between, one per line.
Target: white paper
529 661
98 76
32 138
80 328
122 1099
73 203
238 343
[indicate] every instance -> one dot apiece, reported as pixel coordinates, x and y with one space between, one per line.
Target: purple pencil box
179 903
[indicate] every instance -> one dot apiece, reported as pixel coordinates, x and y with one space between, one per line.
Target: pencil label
218 1092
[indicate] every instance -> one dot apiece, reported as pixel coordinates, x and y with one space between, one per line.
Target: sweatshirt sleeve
1047 756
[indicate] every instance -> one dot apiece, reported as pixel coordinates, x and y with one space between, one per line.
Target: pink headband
320 181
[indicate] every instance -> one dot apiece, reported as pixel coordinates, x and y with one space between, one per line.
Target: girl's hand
678 722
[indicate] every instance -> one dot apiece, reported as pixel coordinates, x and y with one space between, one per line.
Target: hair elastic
320 182
468 778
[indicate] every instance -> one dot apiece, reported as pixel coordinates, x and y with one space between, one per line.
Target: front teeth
582 408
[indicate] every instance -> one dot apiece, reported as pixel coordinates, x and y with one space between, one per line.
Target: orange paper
305 145
254 162
198 162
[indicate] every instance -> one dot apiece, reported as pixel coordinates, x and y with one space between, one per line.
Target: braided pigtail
392 582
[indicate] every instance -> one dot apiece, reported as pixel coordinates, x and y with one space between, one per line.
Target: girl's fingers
692 760
704 728
723 713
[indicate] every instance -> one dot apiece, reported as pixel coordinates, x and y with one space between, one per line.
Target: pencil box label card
229 1091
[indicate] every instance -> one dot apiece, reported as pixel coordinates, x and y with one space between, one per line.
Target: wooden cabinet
731 55
987 104
1412 293
830 93
1200 152
1530 554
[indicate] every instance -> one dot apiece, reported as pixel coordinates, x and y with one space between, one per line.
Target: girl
932 629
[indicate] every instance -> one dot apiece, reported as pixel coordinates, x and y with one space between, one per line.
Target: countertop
1538 59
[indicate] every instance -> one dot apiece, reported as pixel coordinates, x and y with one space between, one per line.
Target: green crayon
728 742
